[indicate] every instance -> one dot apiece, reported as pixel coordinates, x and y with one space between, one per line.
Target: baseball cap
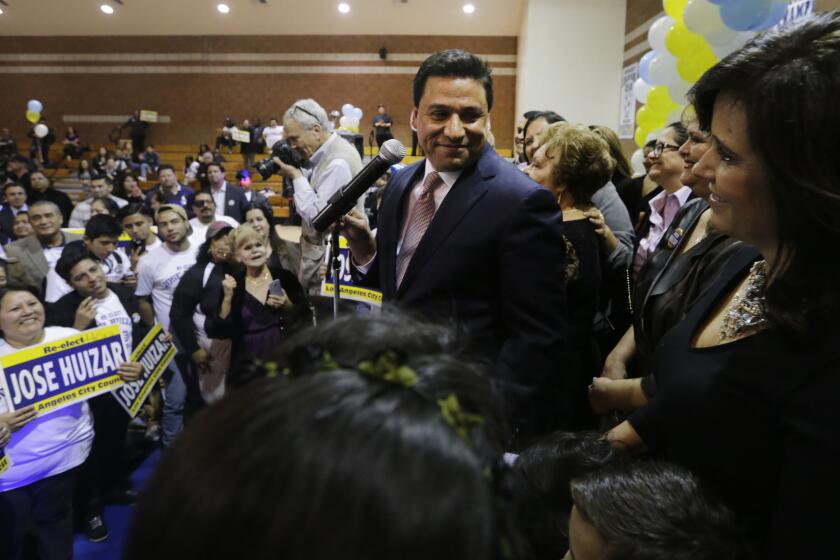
217 228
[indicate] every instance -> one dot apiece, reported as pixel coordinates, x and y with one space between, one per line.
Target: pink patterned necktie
418 222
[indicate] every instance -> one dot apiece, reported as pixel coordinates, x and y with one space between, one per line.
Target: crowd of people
570 360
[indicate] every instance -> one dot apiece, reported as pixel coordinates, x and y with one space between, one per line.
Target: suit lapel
467 190
393 206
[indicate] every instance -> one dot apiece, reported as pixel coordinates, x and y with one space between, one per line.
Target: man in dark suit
14 201
465 236
229 198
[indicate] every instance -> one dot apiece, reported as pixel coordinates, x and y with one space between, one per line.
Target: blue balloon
746 15
644 66
777 13
35 106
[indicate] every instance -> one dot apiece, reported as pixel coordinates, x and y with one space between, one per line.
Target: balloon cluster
350 118
690 39
33 115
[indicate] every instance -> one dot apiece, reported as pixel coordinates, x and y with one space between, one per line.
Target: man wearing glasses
332 163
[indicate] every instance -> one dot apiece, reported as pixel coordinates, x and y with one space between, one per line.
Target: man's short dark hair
99 177
165 166
216 164
102 225
657 511
72 254
455 63
12 184
134 208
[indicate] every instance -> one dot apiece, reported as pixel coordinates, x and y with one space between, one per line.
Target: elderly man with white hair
332 163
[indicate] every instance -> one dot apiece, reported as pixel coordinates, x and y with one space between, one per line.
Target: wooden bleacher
64 174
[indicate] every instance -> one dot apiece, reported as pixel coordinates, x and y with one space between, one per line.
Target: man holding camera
333 162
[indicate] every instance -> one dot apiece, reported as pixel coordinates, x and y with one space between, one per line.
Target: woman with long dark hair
747 382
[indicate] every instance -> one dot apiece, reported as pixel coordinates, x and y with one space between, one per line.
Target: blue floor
117 518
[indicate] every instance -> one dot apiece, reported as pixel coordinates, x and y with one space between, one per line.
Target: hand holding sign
130 371
19 418
5 433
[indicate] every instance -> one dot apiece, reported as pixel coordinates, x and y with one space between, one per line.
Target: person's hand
596 218
201 358
5 433
130 280
602 395
355 229
228 285
276 302
85 314
286 170
19 418
135 255
130 371
322 271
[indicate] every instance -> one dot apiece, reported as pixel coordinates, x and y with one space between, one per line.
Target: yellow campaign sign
154 353
60 373
4 461
240 135
148 116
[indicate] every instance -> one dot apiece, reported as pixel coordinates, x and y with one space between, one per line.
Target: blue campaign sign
57 374
346 288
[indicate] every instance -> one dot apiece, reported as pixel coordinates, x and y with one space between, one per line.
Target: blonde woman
573 162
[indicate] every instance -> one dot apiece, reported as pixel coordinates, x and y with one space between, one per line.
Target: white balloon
722 36
702 17
657 33
663 69
679 91
357 113
347 110
343 122
676 115
733 45
34 106
353 122
637 162
640 90
41 130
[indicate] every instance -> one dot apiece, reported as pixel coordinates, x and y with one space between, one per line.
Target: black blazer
62 313
7 224
493 261
234 201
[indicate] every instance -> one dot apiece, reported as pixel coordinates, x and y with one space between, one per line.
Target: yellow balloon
641 136
659 100
33 117
674 8
649 119
691 68
681 42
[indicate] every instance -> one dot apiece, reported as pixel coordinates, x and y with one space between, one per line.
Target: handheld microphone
345 198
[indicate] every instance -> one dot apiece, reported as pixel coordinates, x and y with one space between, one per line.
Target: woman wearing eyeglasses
666 169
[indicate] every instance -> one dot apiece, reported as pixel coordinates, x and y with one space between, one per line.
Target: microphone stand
336 268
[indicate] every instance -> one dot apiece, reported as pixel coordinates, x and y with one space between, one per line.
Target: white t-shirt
50 444
158 274
116 267
110 311
272 134
199 234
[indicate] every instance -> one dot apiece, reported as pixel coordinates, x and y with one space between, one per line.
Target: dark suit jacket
234 201
7 223
493 260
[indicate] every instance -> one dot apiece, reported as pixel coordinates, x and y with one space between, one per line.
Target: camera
287 155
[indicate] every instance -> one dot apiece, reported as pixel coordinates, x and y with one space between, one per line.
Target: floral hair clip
387 368
458 420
